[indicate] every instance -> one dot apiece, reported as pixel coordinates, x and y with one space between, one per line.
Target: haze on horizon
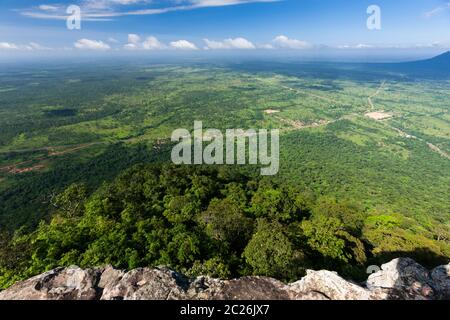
306 29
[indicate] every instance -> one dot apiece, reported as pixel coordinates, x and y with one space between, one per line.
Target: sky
39 27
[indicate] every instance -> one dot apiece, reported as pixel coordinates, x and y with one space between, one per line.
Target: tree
70 202
275 203
271 253
181 209
321 232
327 236
237 193
183 249
214 267
226 222
351 216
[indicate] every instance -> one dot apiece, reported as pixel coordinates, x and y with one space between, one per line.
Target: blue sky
205 25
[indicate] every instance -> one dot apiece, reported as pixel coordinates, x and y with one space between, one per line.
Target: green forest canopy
216 221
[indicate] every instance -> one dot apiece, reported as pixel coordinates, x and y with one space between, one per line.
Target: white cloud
104 10
105 4
46 7
364 46
284 42
64 16
183 45
193 4
356 46
213 44
152 43
91 45
438 10
37 46
113 40
133 38
237 43
266 46
126 2
8 46
438 45
221 3
131 46
29 47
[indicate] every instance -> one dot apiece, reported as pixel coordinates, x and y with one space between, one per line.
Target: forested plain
86 179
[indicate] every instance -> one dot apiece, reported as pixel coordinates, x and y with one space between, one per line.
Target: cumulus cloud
135 43
37 46
30 46
183 45
237 43
152 43
87 44
133 38
284 42
130 46
8 46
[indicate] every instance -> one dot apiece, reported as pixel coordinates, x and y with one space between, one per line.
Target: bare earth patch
297 124
378 115
438 150
29 169
271 111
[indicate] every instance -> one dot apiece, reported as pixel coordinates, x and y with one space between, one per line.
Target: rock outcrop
399 279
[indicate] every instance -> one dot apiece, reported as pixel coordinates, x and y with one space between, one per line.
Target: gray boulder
404 278
399 279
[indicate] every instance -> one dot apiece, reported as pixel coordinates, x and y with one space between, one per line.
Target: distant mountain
444 58
435 68
438 61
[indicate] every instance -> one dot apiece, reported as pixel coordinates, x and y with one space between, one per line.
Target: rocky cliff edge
399 279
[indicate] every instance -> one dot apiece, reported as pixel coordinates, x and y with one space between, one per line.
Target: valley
350 138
